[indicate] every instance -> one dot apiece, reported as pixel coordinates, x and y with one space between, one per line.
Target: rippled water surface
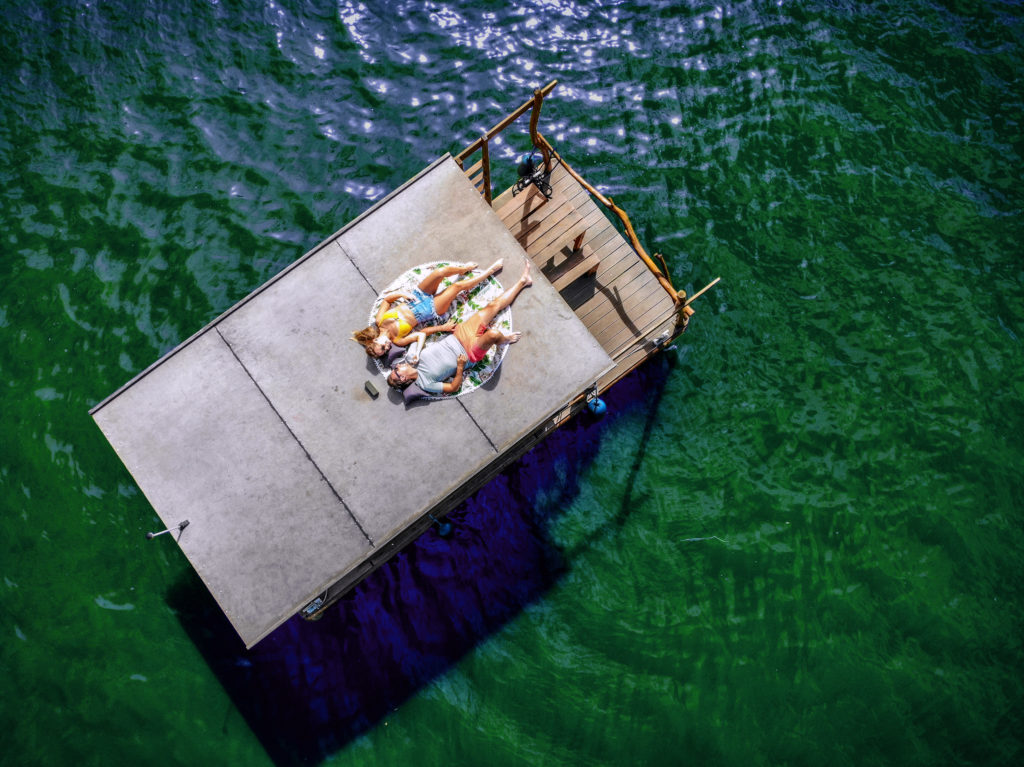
795 540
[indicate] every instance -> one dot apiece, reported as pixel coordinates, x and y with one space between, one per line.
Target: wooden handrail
546 90
538 140
624 218
485 159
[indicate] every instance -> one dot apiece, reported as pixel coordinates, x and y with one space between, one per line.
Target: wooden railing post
535 139
460 158
486 160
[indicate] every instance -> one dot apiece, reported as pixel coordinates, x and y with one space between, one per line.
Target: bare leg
492 337
443 300
505 299
467 330
432 281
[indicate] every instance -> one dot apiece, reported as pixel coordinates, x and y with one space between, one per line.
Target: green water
805 550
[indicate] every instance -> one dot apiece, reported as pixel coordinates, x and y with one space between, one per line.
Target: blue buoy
444 529
597 406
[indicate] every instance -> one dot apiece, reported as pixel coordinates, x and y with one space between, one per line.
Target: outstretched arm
448 327
419 335
456 383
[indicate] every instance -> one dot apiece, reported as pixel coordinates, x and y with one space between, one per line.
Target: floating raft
258 429
296 482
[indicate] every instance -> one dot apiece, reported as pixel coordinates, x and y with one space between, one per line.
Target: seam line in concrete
295 437
471 418
356 266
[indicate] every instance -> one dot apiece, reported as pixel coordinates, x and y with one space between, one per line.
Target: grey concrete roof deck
258 429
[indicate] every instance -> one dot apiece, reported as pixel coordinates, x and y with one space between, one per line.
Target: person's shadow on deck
308 688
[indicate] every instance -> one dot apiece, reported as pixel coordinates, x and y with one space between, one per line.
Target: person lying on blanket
403 311
468 343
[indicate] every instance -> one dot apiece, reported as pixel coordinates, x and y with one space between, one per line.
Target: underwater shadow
308 689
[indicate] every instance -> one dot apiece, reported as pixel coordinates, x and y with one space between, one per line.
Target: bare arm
419 335
456 383
384 306
386 302
448 327
413 355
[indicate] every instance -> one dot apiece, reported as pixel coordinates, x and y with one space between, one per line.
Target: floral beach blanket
474 375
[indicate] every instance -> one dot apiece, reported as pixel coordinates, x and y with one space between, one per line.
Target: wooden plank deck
623 306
